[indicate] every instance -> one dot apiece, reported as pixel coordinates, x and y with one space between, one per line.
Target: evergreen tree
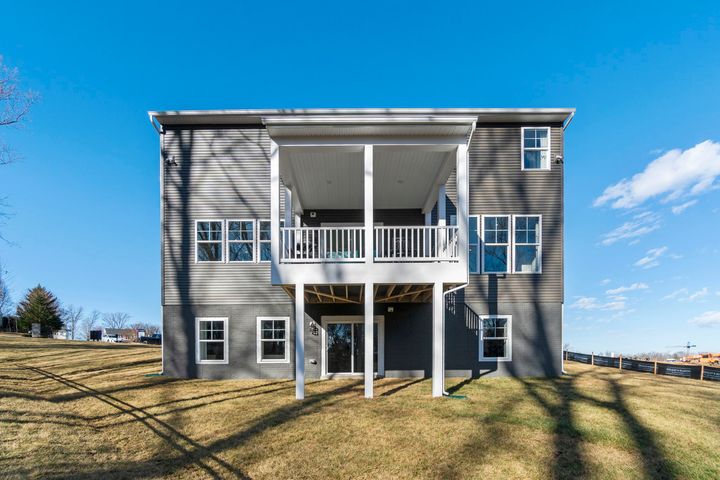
39 306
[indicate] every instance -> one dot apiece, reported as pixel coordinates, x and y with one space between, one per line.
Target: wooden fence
697 372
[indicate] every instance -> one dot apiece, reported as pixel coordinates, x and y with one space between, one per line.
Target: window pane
212 351
502 236
241 252
495 259
526 259
265 230
473 259
532 159
520 236
274 350
265 252
502 223
240 230
209 252
490 236
494 348
521 223
266 324
490 223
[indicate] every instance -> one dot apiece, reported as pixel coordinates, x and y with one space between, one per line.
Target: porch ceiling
332 178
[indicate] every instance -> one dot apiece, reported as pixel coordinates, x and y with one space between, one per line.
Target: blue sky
644 79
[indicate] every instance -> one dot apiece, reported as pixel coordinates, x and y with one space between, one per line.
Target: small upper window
495 338
496 243
212 344
209 241
527 244
536 148
241 240
473 257
272 340
264 240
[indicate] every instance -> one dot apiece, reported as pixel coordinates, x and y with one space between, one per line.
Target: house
114 335
362 242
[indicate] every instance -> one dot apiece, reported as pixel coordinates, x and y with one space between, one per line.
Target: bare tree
116 319
90 322
15 104
149 328
73 317
5 300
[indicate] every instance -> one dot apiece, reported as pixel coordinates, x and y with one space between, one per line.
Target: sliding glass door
345 346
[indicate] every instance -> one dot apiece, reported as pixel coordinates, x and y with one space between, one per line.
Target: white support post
441 206
442 233
428 218
369 347
463 211
438 341
299 341
288 207
369 212
298 220
274 209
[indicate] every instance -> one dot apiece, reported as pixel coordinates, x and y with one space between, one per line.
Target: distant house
114 335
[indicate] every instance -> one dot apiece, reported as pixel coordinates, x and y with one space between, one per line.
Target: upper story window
527 244
496 243
495 338
264 232
209 241
211 340
536 148
241 240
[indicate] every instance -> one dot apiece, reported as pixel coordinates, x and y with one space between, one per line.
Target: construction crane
687 346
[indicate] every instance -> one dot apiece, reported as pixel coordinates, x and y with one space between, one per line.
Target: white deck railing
347 244
322 244
416 244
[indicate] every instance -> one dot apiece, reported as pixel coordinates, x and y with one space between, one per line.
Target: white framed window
495 338
211 340
272 340
527 244
535 148
474 244
208 241
241 240
495 244
264 237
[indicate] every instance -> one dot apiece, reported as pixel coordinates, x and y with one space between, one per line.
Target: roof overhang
361 116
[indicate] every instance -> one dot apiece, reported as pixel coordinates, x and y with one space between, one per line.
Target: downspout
161 131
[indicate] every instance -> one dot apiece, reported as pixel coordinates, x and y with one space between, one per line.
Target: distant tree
15 104
39 306
149 328
90 322
5 299
116 320
72 317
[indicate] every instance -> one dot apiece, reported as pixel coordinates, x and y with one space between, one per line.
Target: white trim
252 242
508 245
351 319
222 240
508 339
522 149
539 244
226 340
258 337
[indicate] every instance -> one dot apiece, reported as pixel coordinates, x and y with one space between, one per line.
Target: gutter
568 120
155 123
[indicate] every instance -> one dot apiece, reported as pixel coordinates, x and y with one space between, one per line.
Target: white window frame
508 245
252 242
522 149
226 340
223 231
478 219
539 244
259 340
508 339
260 242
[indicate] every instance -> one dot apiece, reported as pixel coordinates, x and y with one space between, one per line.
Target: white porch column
299 341
463 210
428 218
369 347
369 206
441 206
274 208
288 207
438 341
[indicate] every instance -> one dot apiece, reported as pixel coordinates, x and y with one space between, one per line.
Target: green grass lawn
87 410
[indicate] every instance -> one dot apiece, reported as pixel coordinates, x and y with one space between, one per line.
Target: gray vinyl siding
389 217
499 186
220 174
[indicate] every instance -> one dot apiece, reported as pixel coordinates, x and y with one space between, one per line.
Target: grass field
87 410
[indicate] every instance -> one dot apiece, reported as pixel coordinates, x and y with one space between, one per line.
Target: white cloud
674 174
592 303
641 224
708 319
605 281
630 288
699 294
678 209
684 295
651 258
676 294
